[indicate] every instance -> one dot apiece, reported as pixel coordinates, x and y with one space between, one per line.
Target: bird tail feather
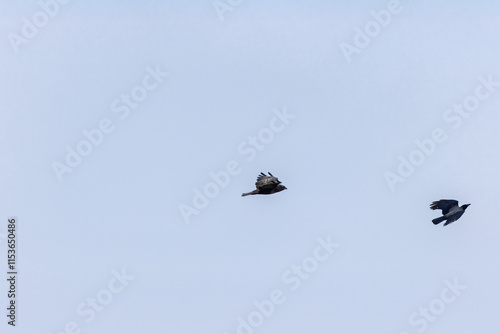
438 220
250 193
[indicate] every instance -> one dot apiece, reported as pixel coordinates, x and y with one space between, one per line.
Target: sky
130 130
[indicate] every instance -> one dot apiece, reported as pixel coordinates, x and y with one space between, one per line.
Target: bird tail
438 220
250 193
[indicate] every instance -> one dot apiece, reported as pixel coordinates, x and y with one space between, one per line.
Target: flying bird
450 209
266 184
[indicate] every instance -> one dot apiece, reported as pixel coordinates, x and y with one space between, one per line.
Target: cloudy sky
129 131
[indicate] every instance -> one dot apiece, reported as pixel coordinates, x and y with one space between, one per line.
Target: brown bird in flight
266 185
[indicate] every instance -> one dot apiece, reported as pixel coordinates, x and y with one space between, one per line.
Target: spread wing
265 182
444 204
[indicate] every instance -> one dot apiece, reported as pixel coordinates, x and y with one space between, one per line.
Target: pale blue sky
181 93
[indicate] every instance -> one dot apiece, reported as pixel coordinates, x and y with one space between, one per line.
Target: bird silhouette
266 185
450 209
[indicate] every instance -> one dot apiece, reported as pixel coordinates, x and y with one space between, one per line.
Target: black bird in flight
266 184
450 209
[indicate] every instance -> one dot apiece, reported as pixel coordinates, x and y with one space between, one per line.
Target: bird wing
444 205
453 217
266 182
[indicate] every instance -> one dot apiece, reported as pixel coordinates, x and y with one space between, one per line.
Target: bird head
465 206
280 187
